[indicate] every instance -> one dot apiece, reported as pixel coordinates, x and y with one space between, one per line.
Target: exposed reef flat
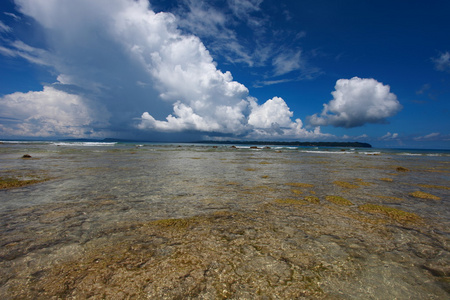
154 223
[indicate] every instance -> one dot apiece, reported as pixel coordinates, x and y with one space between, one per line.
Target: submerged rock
402 169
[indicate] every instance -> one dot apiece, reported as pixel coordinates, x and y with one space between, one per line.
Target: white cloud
203 20
355 138
389 136
423 89
273 111
33 55
248 119
223 119
4 27
50 112
15 17
430 136
287 62
120 60
442 63
356 102
244 8
221 30
272 119
185 119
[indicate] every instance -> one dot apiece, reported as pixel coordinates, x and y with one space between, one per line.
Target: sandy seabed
169 222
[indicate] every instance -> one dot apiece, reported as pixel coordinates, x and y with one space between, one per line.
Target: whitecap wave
85 144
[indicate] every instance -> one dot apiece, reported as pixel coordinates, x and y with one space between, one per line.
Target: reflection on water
168 221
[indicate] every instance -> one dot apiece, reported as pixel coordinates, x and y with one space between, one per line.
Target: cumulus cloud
117 62
442 63
273 111
272 119
224 119
49 112
247 119
356 102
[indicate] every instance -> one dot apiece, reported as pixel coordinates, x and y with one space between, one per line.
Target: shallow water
189 221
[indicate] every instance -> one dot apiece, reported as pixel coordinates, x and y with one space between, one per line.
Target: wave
327 152
422 154
84 144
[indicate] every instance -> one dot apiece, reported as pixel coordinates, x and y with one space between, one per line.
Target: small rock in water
402 169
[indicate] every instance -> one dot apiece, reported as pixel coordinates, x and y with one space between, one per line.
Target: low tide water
165 221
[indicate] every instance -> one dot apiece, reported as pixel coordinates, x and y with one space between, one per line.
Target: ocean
204 221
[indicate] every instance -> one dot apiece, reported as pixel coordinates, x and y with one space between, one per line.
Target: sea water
261 219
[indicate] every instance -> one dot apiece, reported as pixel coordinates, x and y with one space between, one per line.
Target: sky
188 70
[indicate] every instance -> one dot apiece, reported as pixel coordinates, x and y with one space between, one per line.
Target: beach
182 221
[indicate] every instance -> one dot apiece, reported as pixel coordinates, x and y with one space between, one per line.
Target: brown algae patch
402 169
389 198
362 182
250 169
312 199
345 184
264 187
290 201
260 190
300 185
297 192
8 183
423 195
431 186
338 200
393 213
175 223
387 179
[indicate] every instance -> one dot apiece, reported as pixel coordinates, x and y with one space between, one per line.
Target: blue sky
369 71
